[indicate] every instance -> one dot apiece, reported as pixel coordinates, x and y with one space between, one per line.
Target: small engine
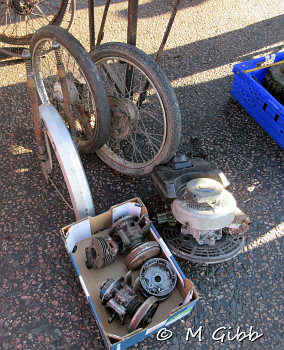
205 211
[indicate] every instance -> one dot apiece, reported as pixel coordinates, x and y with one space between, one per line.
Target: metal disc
186 247
140 254
157 278
143 316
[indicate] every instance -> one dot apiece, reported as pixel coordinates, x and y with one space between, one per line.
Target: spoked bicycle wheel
20 19
88 100
145 116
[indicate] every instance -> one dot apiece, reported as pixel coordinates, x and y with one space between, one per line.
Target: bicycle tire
57 134
15 20
80 70
160 95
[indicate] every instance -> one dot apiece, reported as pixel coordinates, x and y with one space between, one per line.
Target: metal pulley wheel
143 316
141 253
157 278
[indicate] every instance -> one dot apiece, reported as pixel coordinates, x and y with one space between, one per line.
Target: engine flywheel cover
214 214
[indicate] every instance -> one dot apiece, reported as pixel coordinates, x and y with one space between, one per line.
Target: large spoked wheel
88 100
145 115
20 19
63 159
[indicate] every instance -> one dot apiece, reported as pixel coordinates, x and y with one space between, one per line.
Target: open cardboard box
115 335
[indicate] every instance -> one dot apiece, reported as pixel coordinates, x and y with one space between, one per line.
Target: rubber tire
25 40
166 92
102 130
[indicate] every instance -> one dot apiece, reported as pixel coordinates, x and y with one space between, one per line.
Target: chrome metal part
69 161
119 298
140 254
186 247
143 316
157 278
101 253
129 231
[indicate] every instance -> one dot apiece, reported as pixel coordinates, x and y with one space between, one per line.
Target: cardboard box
115 335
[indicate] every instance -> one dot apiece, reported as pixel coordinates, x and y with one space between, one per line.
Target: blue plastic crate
256 100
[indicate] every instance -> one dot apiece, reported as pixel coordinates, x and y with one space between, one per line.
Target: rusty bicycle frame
131 27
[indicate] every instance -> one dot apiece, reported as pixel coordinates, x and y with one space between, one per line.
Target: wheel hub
23 7
124 114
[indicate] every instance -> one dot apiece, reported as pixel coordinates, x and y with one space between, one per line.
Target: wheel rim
19 20
49 88
142 136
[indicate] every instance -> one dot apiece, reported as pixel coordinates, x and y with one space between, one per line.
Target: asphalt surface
42 303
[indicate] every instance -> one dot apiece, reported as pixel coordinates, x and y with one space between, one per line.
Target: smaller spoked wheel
145 116
88 100
20 19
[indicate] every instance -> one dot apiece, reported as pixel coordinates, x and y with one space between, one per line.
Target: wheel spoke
19 24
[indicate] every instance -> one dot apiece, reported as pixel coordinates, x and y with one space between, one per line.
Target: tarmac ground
42 303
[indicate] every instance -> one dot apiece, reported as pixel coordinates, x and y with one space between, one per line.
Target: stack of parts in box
114 288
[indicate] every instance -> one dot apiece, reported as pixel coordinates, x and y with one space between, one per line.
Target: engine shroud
207 212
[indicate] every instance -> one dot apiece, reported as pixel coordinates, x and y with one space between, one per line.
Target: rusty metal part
161 49
168 29
135 259
12 53
132 22
23 7
101 253
240 223
119 298
42 154
64 86
91 23
157 278
120 118
101 31
129 231
143 316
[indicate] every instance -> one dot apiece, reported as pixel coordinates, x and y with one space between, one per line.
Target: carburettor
129 231
121 300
